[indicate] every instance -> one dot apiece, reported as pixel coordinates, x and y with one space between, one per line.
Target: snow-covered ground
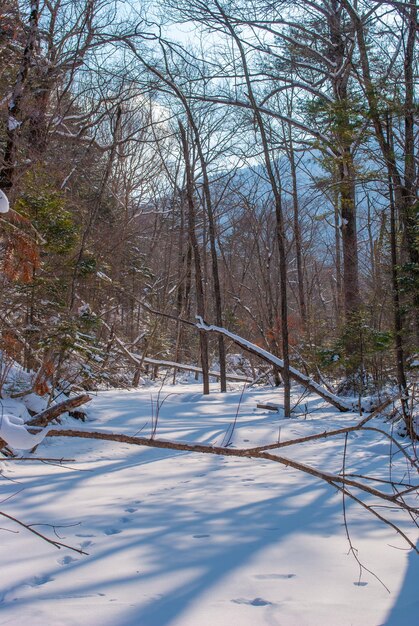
183 539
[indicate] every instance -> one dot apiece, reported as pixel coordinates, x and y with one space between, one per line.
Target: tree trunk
280 231
398 320
200 300
297 235
8 168
351 292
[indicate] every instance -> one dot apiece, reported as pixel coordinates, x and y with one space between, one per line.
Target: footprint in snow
83 535
130 509
66 560
112 531
254 602
80 595
200 536
85 544
38 581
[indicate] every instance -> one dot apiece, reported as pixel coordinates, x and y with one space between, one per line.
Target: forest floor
184 539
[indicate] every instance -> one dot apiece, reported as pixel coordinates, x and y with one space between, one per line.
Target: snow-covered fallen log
43 418
14 431
139 360
295 374
193 368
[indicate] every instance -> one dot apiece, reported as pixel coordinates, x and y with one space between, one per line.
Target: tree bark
200 299
280 230
297 235
8 168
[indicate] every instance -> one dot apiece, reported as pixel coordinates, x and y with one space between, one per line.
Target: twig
57 544
229 434
352 548
331 433
37 458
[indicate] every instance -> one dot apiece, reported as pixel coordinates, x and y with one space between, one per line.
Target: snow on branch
295 374
139 360
193 368
14 432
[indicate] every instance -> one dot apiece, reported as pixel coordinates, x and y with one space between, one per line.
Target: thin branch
56 544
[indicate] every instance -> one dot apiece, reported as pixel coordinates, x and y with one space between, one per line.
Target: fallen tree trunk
139 360
295 374
194 368
45 417
237 452
342 482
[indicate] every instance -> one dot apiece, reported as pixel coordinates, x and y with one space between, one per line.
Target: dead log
341 482
269 407
306 381
138 360
45 417
296 375
193 368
